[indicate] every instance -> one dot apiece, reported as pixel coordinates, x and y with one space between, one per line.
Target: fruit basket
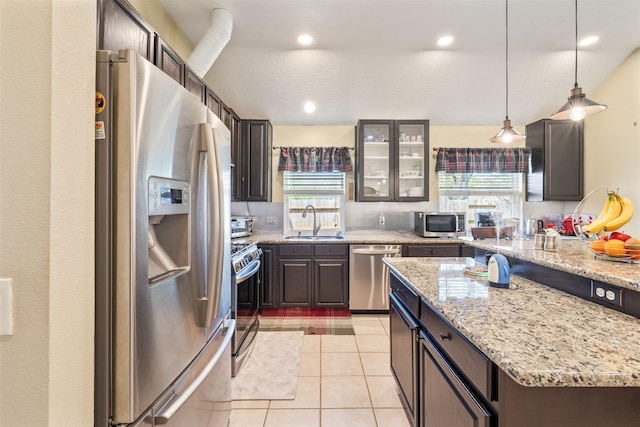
620 253
602 235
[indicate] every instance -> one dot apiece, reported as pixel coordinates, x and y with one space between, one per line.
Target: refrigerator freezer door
202 395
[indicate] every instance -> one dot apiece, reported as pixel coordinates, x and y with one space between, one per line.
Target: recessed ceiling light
445 40
309 107
588 41
305 39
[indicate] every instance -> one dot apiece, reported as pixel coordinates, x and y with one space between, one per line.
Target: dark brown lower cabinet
268 276
295 282
458 386
330 279
312 276
446 400
433 250
403 334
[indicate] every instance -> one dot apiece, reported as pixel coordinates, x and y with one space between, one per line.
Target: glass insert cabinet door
392 160
412 160
375 160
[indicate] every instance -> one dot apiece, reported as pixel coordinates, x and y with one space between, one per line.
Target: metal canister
551 243
538 243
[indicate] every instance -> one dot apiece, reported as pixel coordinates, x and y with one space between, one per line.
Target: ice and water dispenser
169 231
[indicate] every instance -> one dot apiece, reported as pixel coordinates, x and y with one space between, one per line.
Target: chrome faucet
304 214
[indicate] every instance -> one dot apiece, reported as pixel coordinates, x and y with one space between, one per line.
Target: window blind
314 183
479 183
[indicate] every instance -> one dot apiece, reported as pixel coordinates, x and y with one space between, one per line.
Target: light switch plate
6 307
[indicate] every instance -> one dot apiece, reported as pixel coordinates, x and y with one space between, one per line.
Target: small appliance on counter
241 226
484 219
439 224
532 226
498 271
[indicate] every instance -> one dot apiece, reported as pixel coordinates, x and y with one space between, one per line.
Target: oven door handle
251 269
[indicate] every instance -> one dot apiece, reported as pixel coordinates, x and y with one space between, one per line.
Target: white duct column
212 43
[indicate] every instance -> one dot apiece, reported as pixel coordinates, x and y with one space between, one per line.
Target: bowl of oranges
616 246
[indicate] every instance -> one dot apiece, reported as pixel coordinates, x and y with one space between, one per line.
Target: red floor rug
312 321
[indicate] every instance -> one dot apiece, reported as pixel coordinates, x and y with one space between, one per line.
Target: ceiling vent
212 43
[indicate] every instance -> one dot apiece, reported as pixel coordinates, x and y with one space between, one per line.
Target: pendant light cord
576 70
506 62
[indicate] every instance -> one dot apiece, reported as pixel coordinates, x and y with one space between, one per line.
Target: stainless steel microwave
439 224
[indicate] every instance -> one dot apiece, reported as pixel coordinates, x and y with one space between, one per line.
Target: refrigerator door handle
211 302
176 402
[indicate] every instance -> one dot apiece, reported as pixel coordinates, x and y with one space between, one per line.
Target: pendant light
507 133
578 106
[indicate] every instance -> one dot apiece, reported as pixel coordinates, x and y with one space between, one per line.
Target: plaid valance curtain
315 159
467 160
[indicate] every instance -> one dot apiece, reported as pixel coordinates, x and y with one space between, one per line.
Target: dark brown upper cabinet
169 61
236 156
120 26
213 102
255 180
392 160
195 84
557 163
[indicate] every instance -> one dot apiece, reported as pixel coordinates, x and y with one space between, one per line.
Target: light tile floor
343 381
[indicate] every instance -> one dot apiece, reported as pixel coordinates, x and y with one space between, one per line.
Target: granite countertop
538 335
573 256
359 236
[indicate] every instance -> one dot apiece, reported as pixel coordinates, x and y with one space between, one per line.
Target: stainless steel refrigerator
163 278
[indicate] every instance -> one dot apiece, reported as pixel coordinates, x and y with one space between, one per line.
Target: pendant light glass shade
507 134
578 106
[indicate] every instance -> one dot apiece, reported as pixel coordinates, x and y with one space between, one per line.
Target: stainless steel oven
246 261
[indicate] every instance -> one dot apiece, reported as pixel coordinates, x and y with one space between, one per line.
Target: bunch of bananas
616 212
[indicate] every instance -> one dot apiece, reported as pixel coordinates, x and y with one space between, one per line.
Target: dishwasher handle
376 251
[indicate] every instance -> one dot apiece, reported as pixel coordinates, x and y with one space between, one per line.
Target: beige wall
612 139
47 51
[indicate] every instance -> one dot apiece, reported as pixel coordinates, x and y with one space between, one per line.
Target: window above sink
325 191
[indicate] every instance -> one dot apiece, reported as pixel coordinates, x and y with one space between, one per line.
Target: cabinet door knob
444 336
433 251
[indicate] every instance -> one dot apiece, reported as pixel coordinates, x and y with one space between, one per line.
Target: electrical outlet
606 293
271 220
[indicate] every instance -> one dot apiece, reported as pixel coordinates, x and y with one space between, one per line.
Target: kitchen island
573 256
555 359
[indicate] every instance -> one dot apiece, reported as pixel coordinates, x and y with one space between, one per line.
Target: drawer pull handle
446 336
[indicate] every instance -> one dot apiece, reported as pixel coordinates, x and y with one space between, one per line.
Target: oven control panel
243 257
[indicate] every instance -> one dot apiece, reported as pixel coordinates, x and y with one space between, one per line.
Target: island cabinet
456 379
445 380
557 165
437 389
312 276
437 250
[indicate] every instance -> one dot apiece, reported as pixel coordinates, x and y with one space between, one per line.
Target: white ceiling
378 59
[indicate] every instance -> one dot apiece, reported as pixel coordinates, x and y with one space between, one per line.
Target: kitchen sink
314 237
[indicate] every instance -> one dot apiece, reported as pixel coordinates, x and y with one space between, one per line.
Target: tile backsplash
367 215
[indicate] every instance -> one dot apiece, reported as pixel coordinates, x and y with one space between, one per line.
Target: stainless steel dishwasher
369 276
